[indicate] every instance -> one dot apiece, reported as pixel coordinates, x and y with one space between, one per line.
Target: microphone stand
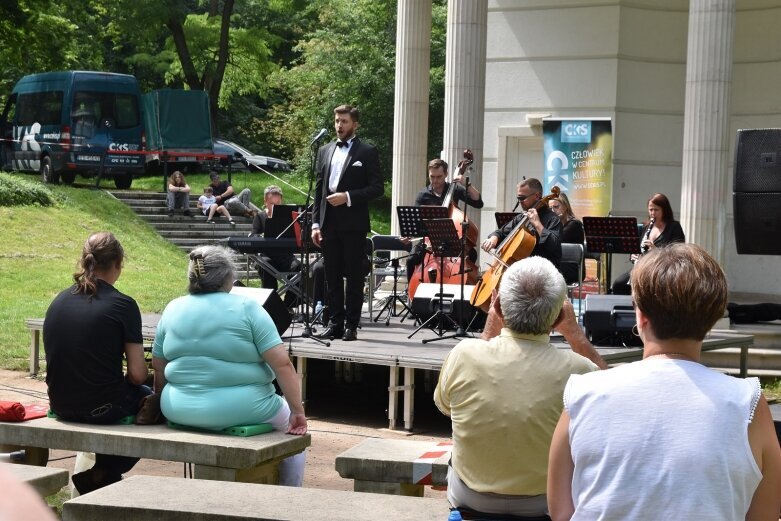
306 224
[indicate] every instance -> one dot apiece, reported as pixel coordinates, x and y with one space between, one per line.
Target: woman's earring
635 331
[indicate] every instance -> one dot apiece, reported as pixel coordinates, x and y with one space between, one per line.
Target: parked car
243 159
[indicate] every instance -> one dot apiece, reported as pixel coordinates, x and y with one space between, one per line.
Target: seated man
281 260
504 393
223 191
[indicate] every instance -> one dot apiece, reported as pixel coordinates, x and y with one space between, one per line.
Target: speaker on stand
757 191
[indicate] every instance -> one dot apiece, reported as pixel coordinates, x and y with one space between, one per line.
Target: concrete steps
186 232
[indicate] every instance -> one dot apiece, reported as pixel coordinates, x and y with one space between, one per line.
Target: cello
518 244
452 266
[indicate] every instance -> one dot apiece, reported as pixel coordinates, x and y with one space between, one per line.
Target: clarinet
643 246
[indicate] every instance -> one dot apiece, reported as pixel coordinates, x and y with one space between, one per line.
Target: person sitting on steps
178 195
208 204
225 195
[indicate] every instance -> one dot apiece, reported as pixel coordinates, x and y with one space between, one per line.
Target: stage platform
389 346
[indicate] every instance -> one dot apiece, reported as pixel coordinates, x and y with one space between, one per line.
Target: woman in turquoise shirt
216 356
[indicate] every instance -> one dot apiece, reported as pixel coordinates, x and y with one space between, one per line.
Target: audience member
208 204
89 330
687 441
216 356
178 194
503 393
238 204
20 502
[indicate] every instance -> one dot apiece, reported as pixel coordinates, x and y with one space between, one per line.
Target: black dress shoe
349 335
332 332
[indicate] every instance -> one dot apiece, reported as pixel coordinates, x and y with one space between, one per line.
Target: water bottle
454 515
318 307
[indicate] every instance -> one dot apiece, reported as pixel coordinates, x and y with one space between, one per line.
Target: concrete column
410 121
706 123
465 86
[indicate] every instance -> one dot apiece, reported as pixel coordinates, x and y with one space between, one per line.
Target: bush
17 191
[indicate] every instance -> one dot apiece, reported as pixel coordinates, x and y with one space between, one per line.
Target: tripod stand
390 302
304 219
445 243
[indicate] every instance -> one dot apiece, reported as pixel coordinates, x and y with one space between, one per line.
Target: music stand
503 218
611 235
445 242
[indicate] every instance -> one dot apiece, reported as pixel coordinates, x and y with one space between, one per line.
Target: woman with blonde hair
571 233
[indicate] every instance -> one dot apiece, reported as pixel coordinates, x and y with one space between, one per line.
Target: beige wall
624 60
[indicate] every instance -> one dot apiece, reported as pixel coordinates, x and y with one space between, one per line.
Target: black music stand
445 242
503 218
611 235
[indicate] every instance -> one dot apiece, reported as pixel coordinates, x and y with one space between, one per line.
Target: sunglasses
522 198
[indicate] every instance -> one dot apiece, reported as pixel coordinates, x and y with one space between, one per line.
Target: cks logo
119 147
576 132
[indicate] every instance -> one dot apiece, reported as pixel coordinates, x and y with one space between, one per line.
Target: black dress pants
344 254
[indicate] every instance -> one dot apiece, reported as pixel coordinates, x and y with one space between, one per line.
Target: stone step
205 233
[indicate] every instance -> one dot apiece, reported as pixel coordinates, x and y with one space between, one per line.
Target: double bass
518 244
452 266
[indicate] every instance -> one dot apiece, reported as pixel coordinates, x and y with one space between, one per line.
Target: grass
42 245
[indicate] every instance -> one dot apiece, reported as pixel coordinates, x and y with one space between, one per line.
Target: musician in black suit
546 224
348 177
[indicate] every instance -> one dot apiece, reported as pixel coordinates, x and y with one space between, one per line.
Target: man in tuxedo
348 177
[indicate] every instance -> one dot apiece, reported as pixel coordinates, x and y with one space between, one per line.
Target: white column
465 86
706 123
410 121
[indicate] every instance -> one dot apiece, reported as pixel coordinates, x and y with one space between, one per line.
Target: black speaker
271 302
426 301
757 191
609 319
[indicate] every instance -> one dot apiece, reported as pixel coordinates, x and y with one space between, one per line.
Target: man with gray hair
503 392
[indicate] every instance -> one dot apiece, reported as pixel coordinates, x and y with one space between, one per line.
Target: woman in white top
666 437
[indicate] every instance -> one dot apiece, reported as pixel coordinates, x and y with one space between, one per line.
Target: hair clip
198 267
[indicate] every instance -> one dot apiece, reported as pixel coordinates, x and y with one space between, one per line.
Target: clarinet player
660 229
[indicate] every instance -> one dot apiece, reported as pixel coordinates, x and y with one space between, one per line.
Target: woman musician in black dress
660 230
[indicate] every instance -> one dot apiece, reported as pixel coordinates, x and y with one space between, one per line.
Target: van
74 122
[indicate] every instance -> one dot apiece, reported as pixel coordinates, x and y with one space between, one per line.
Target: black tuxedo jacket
361 178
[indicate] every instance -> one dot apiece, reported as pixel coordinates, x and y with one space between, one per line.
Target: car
243 159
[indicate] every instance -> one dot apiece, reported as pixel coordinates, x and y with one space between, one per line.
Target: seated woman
689 442
178 194
661 229
89 329
216 356
571 233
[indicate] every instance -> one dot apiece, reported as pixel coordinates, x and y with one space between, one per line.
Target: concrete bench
215 456
140 498
401 467
45 480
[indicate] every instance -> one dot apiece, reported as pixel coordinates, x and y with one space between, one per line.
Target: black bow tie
341 144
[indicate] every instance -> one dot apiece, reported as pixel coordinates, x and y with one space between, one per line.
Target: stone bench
214 456
140 498
45 480
401 467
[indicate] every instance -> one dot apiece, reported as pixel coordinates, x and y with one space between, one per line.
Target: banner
578 155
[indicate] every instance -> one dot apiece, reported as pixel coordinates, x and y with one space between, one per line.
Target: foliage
17 191
41 246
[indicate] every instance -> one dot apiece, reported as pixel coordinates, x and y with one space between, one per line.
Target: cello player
546 224
434 195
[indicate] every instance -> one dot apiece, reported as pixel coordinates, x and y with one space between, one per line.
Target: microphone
319 136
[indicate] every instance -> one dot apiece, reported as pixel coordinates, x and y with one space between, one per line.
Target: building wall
625 60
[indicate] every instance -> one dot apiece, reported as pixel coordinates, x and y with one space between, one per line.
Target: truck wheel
68 177
48 175
123 181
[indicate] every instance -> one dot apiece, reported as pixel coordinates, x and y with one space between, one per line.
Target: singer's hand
316 237
490 243
337 199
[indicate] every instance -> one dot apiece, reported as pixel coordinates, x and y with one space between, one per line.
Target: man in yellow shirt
503 393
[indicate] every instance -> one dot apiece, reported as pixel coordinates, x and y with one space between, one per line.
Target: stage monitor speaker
758 160
271 302
426 301
609 319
